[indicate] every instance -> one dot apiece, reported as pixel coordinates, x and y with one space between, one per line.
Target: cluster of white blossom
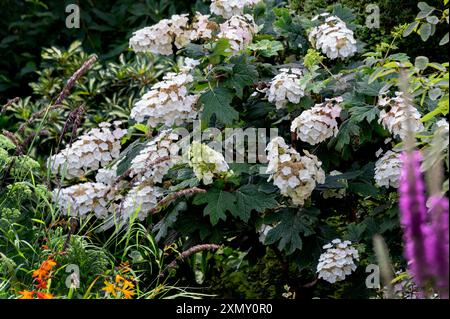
81 199
286 87
442 124
202 27
189 65
229 8
333 38
336 193
401 116
206 162
92 150
155 160
337 261
168 102
239 30
387 170
318 123
140 200
107 176
296 176
158 39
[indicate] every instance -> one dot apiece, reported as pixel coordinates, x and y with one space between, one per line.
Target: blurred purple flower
425 233
437 243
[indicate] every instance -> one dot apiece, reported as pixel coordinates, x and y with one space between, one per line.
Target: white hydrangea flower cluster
336 193
155 160
107 176
96 148
333 38
319 123
338 261
202 27
239 30
206 162
229 8
387 170
442 124
81 199
286 87
296 176
189 65
158 39
396 119
168 102
141 199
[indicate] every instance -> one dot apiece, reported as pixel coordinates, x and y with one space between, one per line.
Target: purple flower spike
437 243
425 232
413 216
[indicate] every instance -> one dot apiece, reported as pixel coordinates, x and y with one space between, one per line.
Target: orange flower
44 295
109 288
119 278
48 265
128 294
127 284
26 294
42 284
42 273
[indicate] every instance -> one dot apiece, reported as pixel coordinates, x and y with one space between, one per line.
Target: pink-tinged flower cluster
425 232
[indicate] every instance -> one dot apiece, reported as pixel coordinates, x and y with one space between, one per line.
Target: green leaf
433 20
380 72
217 101
169 219
400 57
250 198
425 31
141 127
411 27
442 108
355 231
368 113
267 48
437 66
344 13
444 40
194 51
425 9
130 153
421 62
290 224
435 93
244 73
363 189
346 131
371 89
220 50
289 27
218 203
